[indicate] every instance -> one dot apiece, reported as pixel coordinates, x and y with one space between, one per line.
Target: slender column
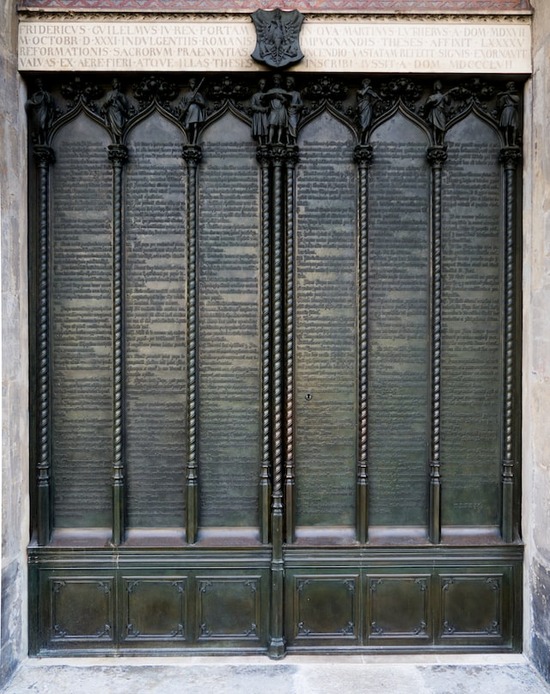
45 157
363 157
118 155
265 472
509 156
436 157
192 155
276 641
291 160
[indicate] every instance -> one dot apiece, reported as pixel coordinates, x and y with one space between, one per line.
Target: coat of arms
277 35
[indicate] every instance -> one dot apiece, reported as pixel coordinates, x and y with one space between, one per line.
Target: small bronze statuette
366 97
295 107
435 109
192 110
281 109
277 36
277 99
116 110
259 114
508 103
41 110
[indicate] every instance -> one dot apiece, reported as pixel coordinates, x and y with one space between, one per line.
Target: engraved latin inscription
471 353
156 376
81 326
326 341
398 306
229 336
363 46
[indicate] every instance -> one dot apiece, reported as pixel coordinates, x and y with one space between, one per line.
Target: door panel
326 325
155 319
81 326
229 307
472 323
398 324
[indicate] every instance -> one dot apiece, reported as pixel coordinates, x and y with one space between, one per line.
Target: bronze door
275 391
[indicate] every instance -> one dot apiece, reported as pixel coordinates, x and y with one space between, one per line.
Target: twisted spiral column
436 157
276 640
291 159
118 155
363 157
509 157
44 156
192 155
265 471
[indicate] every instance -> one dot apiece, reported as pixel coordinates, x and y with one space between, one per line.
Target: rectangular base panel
212 601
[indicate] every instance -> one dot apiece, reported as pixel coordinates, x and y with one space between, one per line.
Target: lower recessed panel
398 608
80 610
154 609
229 609
324 609
472 608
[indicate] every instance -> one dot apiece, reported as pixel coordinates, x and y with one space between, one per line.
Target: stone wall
536 357
536 369
13 223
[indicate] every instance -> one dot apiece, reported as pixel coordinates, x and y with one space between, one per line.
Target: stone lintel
309 6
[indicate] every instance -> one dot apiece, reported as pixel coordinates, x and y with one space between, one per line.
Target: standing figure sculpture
259 114
192 110
508 103
277 120
295 107
435 109
366 96
41 109
116 110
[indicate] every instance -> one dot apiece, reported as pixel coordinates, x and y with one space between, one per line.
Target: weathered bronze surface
275 364
326 336
229 309
471 323
155 316
398 324
81 326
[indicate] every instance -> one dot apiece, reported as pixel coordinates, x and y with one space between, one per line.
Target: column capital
437 155
363 154
44 154
118 153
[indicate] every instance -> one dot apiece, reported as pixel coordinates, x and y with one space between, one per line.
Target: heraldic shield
277 35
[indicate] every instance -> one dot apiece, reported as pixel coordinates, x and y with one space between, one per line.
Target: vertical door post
192 155
118 155
436 157
45 157
363 158
509 156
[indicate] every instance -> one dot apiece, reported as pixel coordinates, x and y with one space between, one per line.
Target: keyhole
308 396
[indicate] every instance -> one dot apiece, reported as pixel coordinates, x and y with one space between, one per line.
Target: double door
275 372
